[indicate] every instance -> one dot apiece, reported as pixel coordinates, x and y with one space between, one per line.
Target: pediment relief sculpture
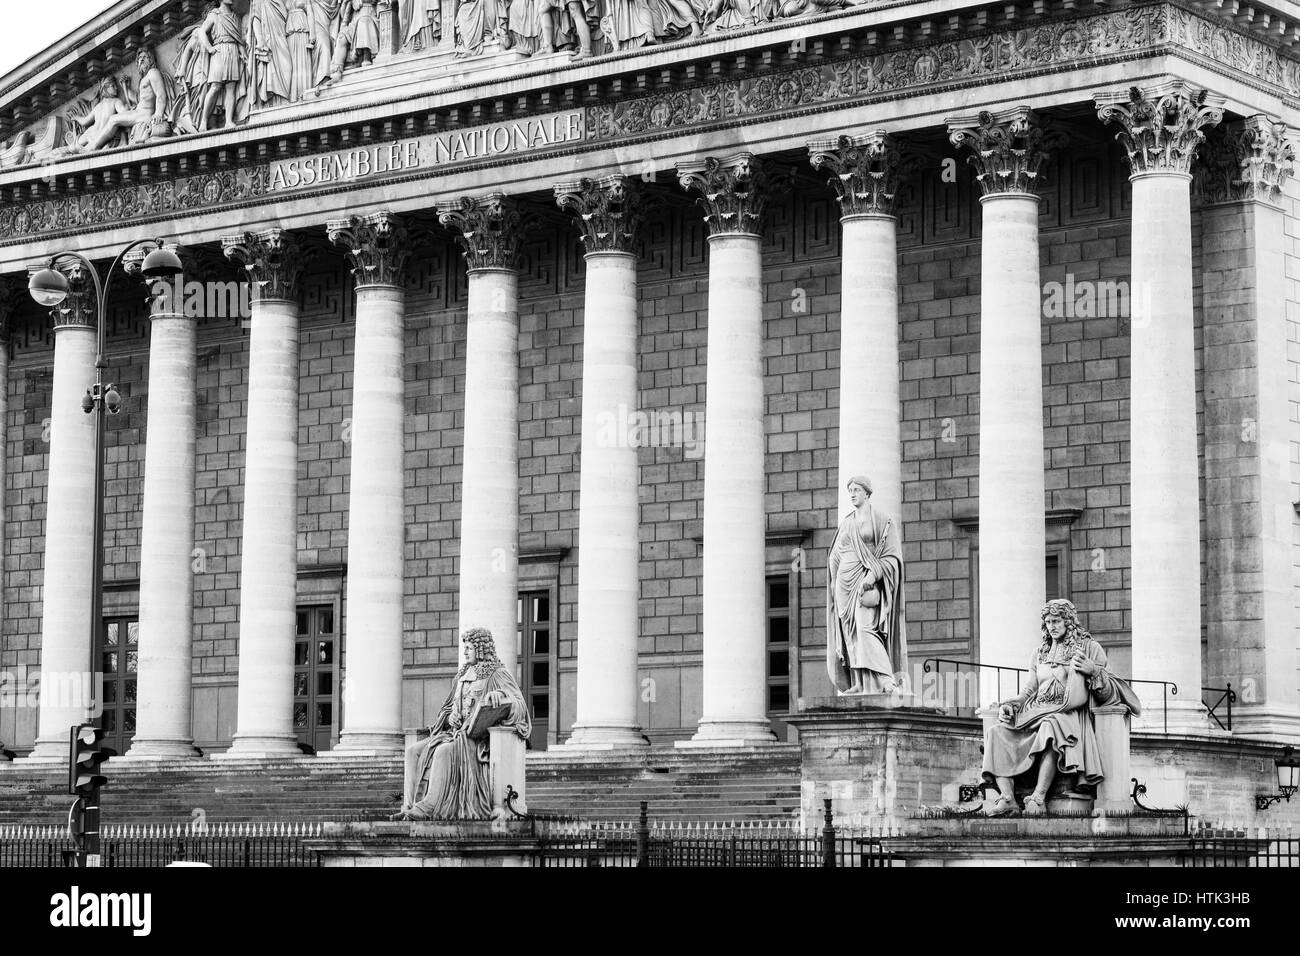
242 56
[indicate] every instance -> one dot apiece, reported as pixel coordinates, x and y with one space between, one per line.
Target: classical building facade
583 346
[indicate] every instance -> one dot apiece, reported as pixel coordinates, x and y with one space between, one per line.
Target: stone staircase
715 784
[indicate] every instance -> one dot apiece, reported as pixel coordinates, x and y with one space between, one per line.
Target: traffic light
85 754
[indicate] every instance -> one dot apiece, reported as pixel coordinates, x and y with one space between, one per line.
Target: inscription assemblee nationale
426 152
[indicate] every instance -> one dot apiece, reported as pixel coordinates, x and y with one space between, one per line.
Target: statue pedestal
1047 841
454 844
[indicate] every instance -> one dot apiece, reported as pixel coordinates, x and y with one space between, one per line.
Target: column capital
1162 125
10 291
733 191
865 171
272 258
489 229
1246 161
607 210
78 309
1008 148
377 246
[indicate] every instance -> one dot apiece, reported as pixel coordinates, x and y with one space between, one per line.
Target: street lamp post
49 288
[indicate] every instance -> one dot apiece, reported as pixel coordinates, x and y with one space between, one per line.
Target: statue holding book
447 774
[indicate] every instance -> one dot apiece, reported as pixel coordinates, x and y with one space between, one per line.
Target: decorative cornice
888 71
607 211
489 229
1162 126
865 171
377 246
733 192
1244 161
1008 149
273 260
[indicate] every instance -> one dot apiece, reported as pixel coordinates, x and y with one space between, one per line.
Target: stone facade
858 69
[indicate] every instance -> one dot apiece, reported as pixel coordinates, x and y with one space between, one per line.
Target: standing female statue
1048 728
865 641
454 757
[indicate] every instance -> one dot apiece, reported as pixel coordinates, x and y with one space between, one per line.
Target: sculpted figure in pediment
476 20
421 24
269 61
117 117
542 26
211 69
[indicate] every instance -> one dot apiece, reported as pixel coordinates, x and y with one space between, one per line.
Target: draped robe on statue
870 639
456 766
268 28
1055 710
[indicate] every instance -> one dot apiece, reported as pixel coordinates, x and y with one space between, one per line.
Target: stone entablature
453 131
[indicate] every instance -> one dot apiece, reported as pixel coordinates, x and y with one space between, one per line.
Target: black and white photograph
708 435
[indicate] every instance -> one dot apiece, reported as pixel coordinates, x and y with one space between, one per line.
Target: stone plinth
879 766
1046 841
420 844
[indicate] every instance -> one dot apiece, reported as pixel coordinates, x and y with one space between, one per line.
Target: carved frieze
1113 36
608 211
1246 160
864 171
273 260
489 229
378 247
1162 126
1008 149
733 192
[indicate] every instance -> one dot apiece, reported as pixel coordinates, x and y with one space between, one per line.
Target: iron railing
218 845
1254 847
1168 688
1228 697
679 844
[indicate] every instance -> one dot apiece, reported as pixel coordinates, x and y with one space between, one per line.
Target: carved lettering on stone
1161 126
608 211
377 246
273 260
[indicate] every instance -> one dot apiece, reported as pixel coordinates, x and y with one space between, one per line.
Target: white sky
30 26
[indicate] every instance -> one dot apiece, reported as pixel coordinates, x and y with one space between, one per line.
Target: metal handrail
925 669
1226 695
1168 688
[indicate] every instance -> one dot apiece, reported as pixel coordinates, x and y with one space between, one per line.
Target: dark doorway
315 668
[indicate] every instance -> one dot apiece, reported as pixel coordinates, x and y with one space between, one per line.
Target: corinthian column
1007 151
167 538
489 230
1161 129
1249 516
865 179
269 569
733 193
377 248
607 212
69 526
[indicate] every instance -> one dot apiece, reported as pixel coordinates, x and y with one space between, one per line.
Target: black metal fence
229 845
711 845
1244 847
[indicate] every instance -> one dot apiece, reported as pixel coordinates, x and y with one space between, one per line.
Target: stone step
710 784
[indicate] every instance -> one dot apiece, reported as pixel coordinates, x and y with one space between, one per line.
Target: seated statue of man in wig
447 773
